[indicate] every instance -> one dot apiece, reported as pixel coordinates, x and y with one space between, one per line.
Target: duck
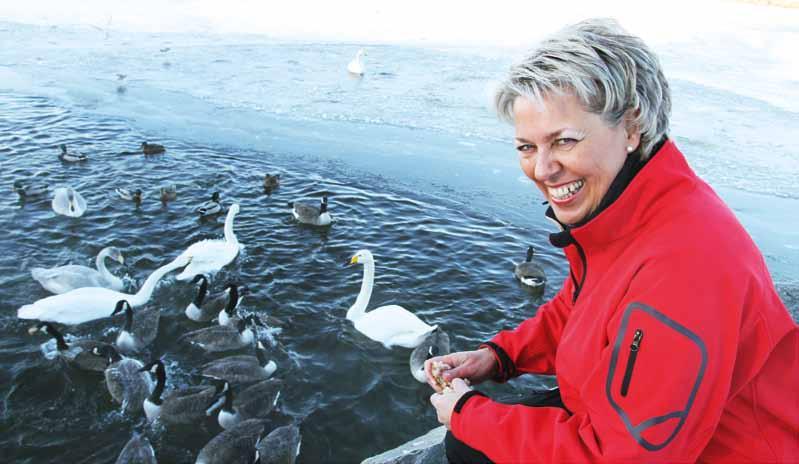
356 65
390 325
30 188
126 382
209 256
310 214
152 148
136 334
253 402
62 279
271 182
241 369
224 337
89 303
68 202
529 272
130 195
79 353
281 445
71 157
168 193
180 406
436 343
237 445
210 207
137 450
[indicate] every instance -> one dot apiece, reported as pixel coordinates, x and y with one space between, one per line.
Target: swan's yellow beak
32 330
354 260
121 259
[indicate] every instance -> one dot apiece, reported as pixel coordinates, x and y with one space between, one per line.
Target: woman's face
570 154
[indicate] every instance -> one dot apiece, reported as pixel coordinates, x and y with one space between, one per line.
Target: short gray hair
609 70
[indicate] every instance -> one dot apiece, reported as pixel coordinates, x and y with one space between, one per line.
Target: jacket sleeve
531 347
658 402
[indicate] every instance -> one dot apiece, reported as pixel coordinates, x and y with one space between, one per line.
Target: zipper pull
637 337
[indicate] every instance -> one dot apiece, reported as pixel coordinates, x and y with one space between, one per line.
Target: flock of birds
241 390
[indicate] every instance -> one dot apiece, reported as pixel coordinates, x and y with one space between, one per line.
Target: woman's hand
474 366
445 402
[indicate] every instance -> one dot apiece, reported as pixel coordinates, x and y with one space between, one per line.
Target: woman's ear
632 130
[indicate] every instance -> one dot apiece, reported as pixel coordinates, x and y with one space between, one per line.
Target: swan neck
146 290
359 308
230 237
100 264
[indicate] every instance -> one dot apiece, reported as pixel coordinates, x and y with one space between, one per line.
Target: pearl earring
629 148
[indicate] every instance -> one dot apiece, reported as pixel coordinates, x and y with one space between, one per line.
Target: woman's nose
546 166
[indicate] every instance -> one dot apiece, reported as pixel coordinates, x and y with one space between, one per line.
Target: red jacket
668 340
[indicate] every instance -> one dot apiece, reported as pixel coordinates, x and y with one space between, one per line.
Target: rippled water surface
416 168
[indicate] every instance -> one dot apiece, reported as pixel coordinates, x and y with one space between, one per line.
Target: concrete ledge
427 449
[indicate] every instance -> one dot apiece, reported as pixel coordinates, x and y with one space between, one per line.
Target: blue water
417 169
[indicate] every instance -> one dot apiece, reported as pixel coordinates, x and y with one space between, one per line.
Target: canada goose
529 272
282 446
180 406
310 214
137 450
126 382
152 148
224 337
436 343
79 353
242 368
253 402
237 445
139 329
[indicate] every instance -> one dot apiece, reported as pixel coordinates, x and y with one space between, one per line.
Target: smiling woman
649 367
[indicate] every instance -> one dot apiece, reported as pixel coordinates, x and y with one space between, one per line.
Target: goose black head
530 252
323 206
107 352
215 197
122 305
144 144
155 367
63 149
432 352
49 329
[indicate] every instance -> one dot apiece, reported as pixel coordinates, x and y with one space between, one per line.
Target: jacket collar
631 200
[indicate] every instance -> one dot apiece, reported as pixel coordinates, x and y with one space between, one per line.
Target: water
417 170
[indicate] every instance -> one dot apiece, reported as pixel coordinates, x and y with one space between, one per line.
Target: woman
668 339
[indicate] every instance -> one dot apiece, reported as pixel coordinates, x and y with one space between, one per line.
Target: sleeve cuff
506 369
463 399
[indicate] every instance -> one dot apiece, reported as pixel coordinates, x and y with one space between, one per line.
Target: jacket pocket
638 337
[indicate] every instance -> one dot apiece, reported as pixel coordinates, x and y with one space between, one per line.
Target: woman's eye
526 148
565 141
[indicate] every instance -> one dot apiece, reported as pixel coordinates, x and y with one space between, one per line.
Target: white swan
390 325
90 303
209 256
62 279
356 65
68 202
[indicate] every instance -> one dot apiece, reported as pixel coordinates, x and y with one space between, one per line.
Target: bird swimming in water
68 202
181 405
436 343
211 207
529 272
355 66
131 195
71 157
62 279
168 193
152 148
79 353
310 214
271 182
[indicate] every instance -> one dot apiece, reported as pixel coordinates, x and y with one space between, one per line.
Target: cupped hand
474 366
445 402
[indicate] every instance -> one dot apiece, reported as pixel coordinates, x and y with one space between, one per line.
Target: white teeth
566 191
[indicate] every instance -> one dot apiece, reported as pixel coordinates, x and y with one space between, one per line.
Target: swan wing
74 307
208 256
65 278
393 325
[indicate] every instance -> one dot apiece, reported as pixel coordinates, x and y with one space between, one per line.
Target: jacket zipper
628 372
578 287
